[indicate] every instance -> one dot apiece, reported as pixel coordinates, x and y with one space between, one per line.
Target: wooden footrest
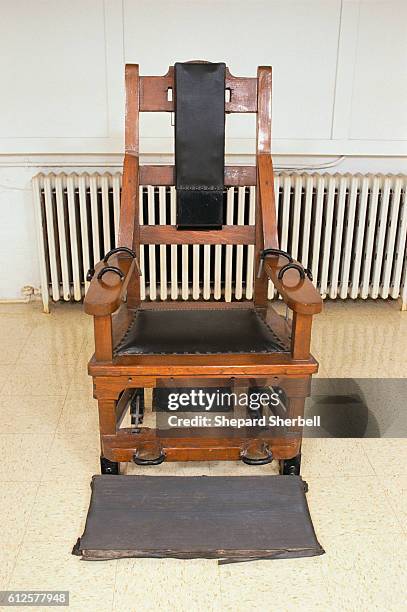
227 518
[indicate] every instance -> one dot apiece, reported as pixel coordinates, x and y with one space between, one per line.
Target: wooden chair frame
112 302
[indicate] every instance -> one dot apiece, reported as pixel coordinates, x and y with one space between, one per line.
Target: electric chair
142 344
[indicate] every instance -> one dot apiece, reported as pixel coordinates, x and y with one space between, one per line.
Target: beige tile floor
49 450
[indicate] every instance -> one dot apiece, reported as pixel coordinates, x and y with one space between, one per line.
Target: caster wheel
109 467
290 467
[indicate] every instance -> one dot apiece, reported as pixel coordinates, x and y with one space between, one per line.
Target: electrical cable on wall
331 164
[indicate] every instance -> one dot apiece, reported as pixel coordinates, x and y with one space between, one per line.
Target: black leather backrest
199 143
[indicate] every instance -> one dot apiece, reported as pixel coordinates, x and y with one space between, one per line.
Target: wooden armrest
299 294
104 296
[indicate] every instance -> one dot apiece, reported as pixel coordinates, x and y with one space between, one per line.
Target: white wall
340 86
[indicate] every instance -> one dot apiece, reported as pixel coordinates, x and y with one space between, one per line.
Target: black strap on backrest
199 143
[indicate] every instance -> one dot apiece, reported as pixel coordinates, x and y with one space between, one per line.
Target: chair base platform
232 518
195 444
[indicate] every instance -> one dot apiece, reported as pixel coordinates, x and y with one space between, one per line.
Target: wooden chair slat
165 175
169 234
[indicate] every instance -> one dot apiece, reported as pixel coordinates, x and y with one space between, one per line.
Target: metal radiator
350 230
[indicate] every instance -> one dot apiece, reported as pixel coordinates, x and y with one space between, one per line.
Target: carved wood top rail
154 95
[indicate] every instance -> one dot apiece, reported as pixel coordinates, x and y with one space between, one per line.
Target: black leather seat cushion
194 332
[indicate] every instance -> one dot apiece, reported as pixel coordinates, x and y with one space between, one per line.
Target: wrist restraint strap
200 144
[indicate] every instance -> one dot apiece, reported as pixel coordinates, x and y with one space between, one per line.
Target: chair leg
109 467
291 467
107 416
107 425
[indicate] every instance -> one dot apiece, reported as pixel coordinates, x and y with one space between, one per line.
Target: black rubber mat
235 518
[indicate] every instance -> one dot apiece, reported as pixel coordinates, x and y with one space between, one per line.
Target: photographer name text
238 423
